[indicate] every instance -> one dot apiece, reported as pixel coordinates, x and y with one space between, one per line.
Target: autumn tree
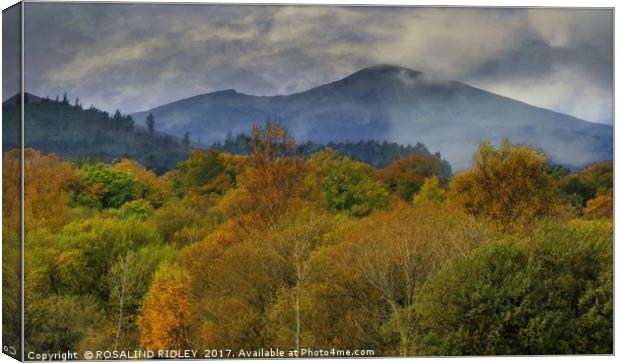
599 207
270 183
62 322
204 173
509 185
139 209
587 183
232 317
173 217
11 189
405 176
155 189
127 282
303 232
270 142
166 313
364 289
46 194
431 192
88 248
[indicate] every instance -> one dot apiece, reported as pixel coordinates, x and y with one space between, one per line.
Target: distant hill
394 104
74 134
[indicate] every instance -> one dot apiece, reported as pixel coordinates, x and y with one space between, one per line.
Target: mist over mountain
397 105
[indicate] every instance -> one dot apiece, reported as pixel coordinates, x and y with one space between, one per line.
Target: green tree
59 322
347 185
104 186
551 295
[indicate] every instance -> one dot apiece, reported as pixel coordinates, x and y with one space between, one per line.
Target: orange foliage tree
599 207
270 182
46 197
166 313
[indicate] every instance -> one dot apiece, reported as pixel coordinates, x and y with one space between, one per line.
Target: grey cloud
136 56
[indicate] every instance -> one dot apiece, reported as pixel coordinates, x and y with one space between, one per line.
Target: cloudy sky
137 56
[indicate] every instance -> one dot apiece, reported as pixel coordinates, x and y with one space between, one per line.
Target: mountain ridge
393 104
232 91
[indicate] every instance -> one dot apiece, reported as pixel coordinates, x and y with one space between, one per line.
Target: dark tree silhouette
150 123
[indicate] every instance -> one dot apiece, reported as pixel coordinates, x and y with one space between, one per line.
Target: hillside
74 133
397 105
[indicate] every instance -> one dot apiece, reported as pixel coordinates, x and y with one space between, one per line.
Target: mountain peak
224 92
386 70
395 104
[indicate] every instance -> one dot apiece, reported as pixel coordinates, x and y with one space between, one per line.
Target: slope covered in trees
74 133
274 250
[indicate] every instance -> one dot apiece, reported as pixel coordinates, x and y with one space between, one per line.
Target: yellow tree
430 192
509 185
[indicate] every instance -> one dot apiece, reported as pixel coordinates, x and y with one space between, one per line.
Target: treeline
273 250
74 133
372 152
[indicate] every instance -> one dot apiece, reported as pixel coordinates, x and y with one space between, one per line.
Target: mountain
397 105
76 134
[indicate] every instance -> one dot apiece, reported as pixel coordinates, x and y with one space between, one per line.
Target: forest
277 249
